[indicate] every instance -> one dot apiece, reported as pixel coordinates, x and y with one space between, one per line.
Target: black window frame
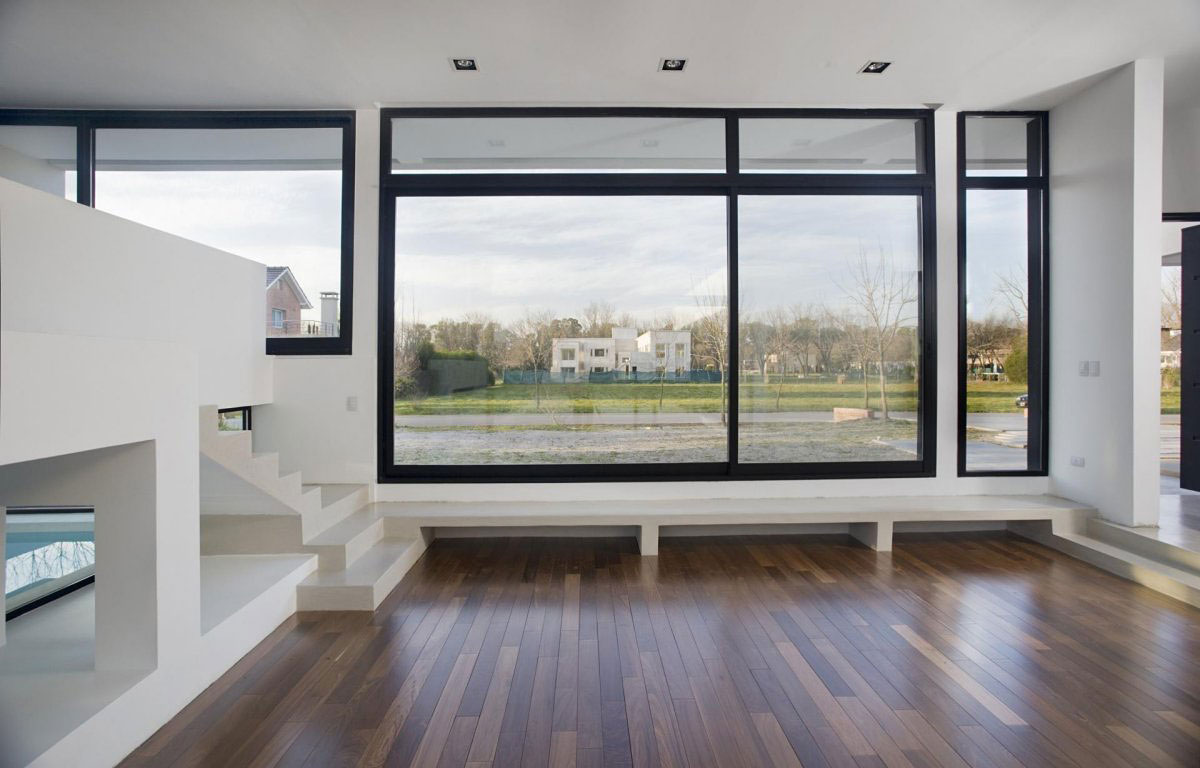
729 184
87 122
1036 183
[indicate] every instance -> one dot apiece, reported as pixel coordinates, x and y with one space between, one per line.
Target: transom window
781 256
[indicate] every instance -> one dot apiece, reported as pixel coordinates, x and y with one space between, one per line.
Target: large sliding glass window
1002 277
577 295
272 187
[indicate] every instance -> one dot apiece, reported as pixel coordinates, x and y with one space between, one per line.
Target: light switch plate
352 403
1083 367
1093 367
1077 461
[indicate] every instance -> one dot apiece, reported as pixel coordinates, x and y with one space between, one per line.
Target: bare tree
857 342
883 296
598 319
533 338
1172 303
780 343
1014 288
710 337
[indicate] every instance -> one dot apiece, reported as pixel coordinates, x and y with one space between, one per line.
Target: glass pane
272 195
45 552
40 156
557 145
560 330
811 145
828 342
997 277
232 421
1002 146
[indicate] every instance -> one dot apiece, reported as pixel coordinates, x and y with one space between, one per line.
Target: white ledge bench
869 519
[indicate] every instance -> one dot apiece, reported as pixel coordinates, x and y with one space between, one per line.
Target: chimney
329 311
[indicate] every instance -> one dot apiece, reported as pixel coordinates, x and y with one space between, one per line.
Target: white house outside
657 351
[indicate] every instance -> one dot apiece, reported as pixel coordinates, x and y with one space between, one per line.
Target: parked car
1023 400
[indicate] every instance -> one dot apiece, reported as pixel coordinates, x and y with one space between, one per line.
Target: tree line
870 335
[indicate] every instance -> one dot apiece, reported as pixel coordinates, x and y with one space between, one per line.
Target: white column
946 179
1105 272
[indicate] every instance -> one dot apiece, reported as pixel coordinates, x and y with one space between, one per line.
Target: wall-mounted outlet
352 403
1093 367
1077 461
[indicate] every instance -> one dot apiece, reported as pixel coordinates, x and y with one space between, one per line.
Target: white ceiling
323 53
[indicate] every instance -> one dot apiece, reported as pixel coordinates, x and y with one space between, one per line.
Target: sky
996 247
277 218
653 257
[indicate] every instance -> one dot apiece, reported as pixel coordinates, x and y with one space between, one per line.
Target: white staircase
247 507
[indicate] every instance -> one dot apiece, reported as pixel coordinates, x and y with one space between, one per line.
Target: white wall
69 269
309 425
1105 234
308 421
1181 160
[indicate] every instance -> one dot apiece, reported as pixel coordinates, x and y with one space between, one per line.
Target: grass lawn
643 397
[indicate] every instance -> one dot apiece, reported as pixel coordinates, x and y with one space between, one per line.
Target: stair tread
332 493
367 569
346 529
1188 577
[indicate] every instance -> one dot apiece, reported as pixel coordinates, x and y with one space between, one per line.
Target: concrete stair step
1173 582
1130 539
336 502
363 585
346 541
249 534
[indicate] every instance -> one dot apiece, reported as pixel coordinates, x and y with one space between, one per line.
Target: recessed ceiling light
464 65
874 67
672 65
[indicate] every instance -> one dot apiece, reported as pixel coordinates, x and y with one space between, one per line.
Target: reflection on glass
829 351
560 330
1002 146
45 552
557 145
997 364
791 145
270 195
39 156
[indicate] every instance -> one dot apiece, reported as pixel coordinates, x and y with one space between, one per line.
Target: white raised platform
868 519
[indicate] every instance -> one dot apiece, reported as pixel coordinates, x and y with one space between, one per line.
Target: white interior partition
1105 228
68 269
113 335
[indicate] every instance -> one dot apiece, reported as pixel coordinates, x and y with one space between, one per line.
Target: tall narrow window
1002 277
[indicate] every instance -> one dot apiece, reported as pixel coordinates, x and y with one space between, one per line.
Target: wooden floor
954 650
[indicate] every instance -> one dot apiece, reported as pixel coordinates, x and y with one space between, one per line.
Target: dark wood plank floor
955 650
